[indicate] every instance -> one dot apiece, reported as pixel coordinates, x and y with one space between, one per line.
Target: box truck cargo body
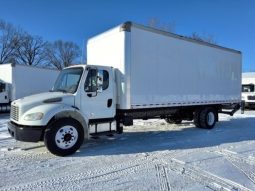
20 81
133 72
159 69
248 89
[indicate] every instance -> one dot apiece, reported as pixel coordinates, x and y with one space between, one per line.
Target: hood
248 93
43 98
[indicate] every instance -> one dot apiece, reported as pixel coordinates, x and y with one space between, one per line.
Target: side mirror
100 80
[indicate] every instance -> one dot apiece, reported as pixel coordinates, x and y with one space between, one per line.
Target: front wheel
64 137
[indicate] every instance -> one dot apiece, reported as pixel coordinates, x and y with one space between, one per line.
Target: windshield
68 80
248 88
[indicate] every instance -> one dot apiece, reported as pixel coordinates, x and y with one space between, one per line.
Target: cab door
98 95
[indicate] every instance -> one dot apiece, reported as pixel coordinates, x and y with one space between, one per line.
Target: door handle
109 102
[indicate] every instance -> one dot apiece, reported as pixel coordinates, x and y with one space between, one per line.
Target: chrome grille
15 112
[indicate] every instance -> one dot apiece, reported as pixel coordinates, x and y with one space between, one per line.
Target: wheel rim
210 118
66 137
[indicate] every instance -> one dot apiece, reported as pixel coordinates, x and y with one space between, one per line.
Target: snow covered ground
151 155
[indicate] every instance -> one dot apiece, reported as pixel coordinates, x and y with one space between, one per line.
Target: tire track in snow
203 177
248 172
84 177
63 165
111 173
92 176
236 156
11 144
245 164
16 157
162 177
6 139
129 167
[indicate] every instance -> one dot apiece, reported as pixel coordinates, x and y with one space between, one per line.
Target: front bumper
249 104
25 133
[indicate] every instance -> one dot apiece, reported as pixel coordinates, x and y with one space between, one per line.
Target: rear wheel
205 118
208 118
64 137
197 118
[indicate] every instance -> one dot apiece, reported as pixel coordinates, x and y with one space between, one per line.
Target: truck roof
127 26
22 65
248 75
86 65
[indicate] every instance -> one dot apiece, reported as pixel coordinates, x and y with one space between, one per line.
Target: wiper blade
59 90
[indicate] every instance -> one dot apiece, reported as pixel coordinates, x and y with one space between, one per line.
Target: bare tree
62 54
9 41
31 50
205 38
155 23
20 47
170 27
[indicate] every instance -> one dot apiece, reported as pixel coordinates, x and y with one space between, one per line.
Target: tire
197 118
64 137
208 118
119 127
168 120
175 121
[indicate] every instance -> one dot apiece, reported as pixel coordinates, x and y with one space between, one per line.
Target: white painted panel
109 49
31 80
27 80
169 70
6 73
162 70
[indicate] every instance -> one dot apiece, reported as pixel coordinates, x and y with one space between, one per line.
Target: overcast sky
231 22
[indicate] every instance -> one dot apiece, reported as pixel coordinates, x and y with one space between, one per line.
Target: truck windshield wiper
59 90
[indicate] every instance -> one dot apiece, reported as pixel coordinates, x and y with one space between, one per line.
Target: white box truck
17 81
248 90
133 72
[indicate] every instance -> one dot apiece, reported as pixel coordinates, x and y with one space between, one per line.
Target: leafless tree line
17 46
170 27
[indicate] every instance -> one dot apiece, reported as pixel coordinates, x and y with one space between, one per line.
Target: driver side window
97 80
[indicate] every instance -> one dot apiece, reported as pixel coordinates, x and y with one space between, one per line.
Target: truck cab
248 89
248 95
81 103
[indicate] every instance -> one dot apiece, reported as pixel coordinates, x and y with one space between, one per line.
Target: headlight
33 116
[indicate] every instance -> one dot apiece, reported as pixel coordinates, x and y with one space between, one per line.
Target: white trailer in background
17 81
248 89
133 72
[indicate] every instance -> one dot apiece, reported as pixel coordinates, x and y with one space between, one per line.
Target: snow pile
151 155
